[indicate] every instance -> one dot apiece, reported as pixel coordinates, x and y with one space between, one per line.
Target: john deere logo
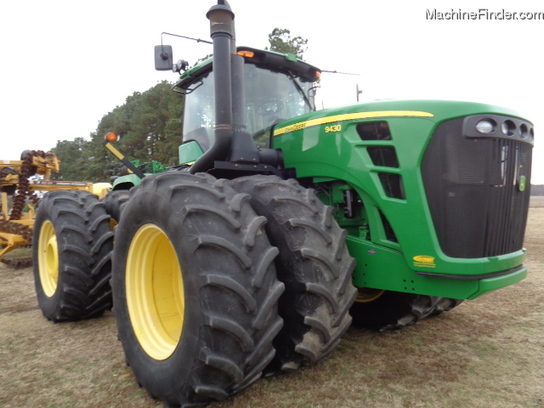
424 261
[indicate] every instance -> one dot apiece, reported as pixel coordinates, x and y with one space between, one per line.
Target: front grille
475 187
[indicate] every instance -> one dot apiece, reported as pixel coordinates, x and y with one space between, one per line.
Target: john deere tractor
281 222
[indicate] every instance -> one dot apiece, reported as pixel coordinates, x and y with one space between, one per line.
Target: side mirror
163 58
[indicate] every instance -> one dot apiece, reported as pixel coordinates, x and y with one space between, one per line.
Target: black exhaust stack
232 141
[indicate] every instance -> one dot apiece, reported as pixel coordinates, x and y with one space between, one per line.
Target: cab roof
273 61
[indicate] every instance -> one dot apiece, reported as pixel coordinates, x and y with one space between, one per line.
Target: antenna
185 37
340 73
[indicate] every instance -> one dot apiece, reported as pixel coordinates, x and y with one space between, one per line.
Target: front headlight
486 126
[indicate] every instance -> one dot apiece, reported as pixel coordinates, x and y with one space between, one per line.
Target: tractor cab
277 87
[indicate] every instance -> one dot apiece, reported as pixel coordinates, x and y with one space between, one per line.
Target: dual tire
72 256
218 282
72 253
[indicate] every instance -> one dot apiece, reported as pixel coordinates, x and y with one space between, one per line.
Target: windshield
271 97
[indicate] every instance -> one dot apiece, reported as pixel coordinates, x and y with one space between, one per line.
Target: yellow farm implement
18 190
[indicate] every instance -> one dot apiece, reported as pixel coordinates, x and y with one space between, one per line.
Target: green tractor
282 223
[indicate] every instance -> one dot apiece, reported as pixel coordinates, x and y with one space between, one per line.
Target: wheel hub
48 259
155 292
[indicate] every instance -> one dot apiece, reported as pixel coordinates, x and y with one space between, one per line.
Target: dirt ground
486 353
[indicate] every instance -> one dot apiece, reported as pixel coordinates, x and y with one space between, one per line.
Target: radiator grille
475 188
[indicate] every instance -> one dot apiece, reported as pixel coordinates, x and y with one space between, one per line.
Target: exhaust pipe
232 141
222 32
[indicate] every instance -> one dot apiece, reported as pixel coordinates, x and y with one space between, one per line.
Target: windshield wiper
301 91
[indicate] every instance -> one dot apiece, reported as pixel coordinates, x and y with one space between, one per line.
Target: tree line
149 125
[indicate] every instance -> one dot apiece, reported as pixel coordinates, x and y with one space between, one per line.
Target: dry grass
537 201
486 353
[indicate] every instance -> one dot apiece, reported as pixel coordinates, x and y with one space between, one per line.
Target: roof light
246 54
111 137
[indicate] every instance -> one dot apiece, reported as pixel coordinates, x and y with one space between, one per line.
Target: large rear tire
314 265
195 289
71 251
389 310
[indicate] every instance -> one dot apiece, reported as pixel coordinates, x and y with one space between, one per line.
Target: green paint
189 152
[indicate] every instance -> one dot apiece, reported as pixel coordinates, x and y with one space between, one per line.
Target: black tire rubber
79 228
314 265
396 310
230 287
114 202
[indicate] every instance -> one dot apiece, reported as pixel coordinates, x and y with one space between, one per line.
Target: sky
66 64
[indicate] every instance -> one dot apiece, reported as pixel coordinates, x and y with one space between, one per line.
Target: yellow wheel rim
155 293
48 259
367 295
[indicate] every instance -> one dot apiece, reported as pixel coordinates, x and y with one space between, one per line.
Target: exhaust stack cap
221 19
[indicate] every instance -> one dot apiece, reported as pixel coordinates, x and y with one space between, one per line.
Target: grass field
486 353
